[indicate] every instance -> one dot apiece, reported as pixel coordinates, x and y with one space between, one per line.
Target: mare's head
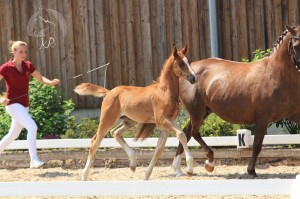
182 67
294 44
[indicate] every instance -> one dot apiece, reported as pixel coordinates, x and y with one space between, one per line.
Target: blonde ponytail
13 45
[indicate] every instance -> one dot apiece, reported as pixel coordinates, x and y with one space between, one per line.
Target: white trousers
20 119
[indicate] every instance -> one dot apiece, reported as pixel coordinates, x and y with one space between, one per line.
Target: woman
16 73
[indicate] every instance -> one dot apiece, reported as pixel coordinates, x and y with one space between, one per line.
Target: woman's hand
54 82
37 75
4 101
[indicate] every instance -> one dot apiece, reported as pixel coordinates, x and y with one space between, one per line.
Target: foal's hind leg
95 142
118 132
107 120
158 151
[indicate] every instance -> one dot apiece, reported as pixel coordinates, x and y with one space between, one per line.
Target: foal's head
182 67
294 44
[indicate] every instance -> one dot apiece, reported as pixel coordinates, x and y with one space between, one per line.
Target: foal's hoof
179 173
189 173
83 178
132 169
209 166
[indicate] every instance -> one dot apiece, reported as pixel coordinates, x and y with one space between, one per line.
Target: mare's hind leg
118 132
179 153
158 151
209 164
192 129
188 156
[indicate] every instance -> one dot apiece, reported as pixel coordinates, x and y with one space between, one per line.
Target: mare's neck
282 58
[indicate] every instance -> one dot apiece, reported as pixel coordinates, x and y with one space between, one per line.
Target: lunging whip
80 75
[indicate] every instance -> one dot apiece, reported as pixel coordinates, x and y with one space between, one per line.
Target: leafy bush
257 55
215 126
291 127
4 121
86 128
47 109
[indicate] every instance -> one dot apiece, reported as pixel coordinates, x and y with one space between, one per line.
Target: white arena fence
152 142
155 187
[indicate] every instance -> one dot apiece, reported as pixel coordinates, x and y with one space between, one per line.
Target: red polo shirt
17 83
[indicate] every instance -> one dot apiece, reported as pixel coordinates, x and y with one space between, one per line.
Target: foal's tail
91 89
145 131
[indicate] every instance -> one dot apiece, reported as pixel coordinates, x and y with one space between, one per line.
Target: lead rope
292 51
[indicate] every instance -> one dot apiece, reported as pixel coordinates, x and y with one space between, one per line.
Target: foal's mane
164 68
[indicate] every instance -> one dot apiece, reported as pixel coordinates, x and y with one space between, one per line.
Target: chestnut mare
153 105
245 93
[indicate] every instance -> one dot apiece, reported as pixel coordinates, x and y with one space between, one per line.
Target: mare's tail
91 89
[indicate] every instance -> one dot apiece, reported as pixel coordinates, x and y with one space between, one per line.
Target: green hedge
47 108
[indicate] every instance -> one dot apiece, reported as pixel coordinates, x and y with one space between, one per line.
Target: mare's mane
277 43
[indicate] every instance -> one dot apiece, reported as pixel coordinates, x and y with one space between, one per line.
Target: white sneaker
36 163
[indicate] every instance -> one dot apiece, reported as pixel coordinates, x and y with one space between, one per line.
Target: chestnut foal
157 104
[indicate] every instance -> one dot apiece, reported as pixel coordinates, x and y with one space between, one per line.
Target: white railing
153 188
151 142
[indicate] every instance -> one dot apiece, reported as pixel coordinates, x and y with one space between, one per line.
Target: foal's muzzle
192 78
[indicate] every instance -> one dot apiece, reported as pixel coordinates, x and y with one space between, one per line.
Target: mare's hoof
252 172
209 166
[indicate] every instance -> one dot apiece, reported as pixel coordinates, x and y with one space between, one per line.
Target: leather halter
292 51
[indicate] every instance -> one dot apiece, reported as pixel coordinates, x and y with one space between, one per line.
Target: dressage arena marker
244 138
152 187
152 142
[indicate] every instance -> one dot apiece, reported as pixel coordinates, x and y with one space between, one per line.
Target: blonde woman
17 72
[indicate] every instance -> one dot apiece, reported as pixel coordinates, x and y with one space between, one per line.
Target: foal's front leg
118 132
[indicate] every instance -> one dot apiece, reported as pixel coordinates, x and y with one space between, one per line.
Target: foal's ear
175 52
290 29
184 49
